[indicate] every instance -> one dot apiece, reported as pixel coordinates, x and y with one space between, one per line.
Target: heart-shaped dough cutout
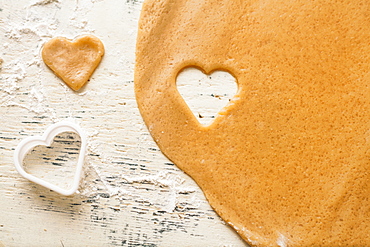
46 139
206 95
73 61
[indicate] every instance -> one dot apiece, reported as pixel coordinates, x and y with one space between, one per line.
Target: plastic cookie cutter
46 139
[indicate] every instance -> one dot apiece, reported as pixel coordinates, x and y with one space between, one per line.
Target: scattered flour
23 75
282 241
175 186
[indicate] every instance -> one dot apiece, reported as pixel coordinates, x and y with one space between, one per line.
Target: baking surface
130 195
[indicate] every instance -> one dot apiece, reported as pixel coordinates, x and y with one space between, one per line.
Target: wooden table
130 194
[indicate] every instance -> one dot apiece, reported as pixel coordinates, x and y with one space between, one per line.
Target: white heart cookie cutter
46 139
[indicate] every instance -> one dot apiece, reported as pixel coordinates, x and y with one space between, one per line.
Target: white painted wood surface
130 195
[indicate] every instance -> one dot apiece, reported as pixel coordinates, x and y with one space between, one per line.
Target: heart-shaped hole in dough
206 94
56 163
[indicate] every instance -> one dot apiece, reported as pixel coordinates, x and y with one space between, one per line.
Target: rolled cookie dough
286 163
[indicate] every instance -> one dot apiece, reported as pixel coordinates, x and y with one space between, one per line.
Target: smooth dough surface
73 61
287 162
